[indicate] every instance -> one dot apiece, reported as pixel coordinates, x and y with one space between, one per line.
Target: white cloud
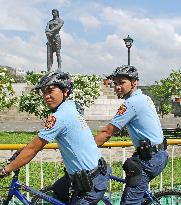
18 15
89 21
155 51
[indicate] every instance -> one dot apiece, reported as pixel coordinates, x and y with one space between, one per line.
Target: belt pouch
82 181
77 181
86 181
102 166
145 150
165 143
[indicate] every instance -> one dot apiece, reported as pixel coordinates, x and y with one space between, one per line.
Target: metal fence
112 151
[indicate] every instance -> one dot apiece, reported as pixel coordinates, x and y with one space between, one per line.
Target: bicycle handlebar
13 157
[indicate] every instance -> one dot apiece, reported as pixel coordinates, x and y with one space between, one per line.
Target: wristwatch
4 172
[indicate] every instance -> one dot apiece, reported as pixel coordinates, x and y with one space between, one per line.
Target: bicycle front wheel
169 197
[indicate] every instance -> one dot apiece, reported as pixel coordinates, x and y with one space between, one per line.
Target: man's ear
134 83
65 92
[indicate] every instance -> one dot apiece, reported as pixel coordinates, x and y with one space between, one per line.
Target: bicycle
46 195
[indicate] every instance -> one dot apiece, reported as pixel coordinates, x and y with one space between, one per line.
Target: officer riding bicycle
85 169
138 114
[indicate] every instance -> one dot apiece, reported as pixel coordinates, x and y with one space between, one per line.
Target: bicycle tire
167 197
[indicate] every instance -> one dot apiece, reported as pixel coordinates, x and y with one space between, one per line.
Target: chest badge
50 121
121 110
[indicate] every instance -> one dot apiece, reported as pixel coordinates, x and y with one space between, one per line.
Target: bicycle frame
15 191
15 187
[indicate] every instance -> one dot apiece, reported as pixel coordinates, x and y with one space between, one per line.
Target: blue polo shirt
139 115
74 138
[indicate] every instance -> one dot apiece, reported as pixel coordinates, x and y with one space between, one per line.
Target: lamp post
128 42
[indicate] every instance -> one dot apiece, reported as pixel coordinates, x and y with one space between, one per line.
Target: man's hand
104 135
3 173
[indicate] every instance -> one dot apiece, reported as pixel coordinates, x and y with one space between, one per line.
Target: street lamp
128 42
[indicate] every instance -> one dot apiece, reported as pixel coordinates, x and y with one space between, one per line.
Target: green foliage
25 137
167 174
7 97
32 78
86 90
117 171
12 74
163 91
33 102
16 137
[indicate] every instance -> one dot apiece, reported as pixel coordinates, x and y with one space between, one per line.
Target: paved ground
28 124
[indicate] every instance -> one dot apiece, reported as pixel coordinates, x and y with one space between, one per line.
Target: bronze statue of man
54 41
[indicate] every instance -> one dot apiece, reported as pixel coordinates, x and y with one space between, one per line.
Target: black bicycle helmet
61 79
125 71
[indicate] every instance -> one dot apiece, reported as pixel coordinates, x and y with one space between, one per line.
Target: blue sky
92 35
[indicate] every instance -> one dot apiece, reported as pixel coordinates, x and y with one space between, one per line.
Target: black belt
155 148
159 147
101 168
94 172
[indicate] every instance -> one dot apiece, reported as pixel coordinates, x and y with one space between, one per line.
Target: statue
54 41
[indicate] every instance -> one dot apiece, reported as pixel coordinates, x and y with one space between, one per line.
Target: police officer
138 114
85 169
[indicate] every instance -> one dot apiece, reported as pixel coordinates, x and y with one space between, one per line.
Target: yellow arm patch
50 121
121 110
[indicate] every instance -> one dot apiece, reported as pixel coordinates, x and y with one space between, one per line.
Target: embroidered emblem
121 110
50 121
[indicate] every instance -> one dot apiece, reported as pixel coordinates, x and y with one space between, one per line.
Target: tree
164 90
86 90
32 102
7 94
12 74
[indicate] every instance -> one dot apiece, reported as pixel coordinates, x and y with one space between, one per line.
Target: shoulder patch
50 121
121 110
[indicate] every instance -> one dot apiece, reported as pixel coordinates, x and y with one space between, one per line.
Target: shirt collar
65 103
136 92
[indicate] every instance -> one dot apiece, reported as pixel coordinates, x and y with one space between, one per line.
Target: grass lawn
25 137
16 137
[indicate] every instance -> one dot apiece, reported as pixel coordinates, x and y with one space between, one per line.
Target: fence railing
169 133
121 150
